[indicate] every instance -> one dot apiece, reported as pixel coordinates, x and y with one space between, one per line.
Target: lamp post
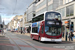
23 20
23 23
69 23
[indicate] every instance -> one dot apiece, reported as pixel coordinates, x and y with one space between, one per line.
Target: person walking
21 31
67 33
2 32
72 35
66 36
69 36
63 34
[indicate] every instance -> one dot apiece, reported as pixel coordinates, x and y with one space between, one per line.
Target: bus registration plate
52 40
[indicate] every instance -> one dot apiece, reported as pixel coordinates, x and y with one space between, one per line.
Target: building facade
30 11
67 11
47 5
65 7
13 24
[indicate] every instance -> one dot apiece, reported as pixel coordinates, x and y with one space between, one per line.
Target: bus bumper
53 40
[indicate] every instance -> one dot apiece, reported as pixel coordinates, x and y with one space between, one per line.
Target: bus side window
34 30
42 30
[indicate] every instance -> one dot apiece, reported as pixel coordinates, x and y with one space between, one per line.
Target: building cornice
70 17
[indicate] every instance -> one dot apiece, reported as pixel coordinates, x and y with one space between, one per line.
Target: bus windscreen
52 31
52 15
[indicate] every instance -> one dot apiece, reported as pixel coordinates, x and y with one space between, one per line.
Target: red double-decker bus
47 27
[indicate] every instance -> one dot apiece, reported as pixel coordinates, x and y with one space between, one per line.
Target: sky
10 8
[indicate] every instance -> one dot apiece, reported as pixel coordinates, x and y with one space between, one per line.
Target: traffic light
1 26
72 25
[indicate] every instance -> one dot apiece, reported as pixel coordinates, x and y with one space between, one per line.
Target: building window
62 12
70 10
68 1
71 0
50 7
41 11
38 0
33 15
41 4
49 0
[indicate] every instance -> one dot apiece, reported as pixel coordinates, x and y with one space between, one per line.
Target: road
13 41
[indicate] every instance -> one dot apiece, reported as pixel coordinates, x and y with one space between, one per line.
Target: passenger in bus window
56 17
59 17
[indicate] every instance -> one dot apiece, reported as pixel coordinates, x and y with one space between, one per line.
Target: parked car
12 31
8 29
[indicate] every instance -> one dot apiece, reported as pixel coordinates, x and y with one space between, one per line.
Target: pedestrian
21 31
72 35
69 36
66 36
2 31
67 33
63 34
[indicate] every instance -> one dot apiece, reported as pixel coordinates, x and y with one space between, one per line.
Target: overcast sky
10 8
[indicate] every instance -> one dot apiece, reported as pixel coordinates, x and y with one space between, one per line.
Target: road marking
29 43
4 40
49 48
26 41
14 45
7 44
25 46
